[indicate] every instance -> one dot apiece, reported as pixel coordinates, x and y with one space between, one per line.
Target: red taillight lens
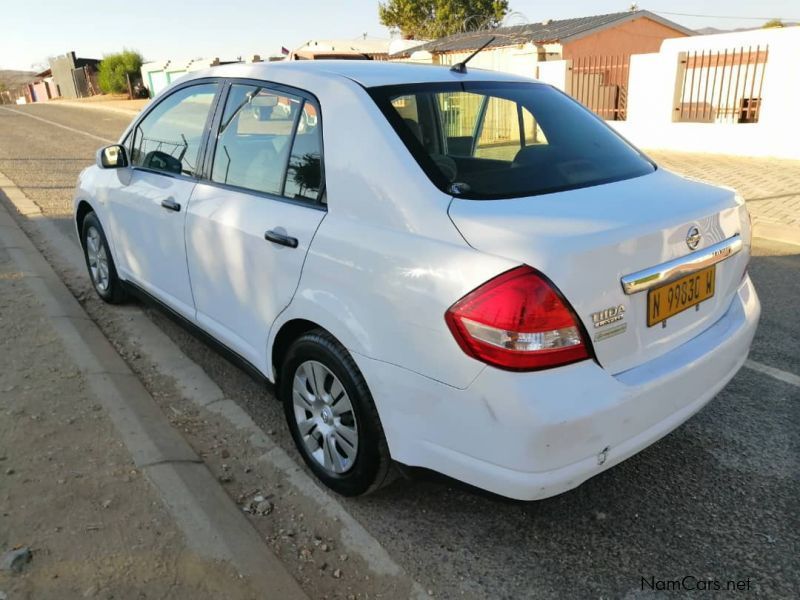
517 321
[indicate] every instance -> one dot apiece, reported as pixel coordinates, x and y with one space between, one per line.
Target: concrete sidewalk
109 498
122 106
770 186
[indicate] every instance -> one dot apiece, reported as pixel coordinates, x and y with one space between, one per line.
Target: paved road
718 498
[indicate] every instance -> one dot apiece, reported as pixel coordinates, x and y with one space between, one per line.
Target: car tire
99 261
327 382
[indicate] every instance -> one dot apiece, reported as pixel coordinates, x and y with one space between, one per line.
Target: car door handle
170 204
280 238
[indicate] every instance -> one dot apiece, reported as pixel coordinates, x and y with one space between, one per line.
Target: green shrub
111 75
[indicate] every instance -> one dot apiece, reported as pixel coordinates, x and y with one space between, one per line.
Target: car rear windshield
505 140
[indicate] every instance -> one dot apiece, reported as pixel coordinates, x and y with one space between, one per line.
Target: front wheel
332 416
99 262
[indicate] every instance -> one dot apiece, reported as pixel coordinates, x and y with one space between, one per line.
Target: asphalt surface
719 498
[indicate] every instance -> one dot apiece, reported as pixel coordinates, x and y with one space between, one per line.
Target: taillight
517 321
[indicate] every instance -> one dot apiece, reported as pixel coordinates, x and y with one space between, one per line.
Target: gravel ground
68 489
719 498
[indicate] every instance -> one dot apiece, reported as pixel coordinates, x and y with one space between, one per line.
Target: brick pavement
770 186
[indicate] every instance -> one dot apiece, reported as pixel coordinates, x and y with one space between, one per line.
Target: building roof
359 45
563 30
87 62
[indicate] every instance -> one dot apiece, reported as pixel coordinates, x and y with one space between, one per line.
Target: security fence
722 86
601 84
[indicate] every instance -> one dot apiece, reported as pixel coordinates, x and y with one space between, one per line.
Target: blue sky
32 30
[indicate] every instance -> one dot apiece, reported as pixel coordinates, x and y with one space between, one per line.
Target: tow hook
601 458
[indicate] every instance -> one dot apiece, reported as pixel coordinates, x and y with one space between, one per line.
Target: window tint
460 112
533 131
503 128
304 177
406 106
502 140
255 138
168 138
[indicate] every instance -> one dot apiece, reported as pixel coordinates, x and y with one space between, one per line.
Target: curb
131 112
213 525
776 232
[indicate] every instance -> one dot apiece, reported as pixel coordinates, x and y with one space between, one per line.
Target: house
597 48
159 74
361 48
74 77
616 34
41 89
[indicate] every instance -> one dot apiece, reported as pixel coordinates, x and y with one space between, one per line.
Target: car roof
367 73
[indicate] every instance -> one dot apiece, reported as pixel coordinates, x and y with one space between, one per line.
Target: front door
249 227
149 201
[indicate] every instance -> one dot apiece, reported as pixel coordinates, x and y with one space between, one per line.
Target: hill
10 79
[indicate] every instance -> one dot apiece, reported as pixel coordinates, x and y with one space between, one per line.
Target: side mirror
112 157
161 161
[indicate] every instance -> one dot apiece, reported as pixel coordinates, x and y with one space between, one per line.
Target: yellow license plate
671 298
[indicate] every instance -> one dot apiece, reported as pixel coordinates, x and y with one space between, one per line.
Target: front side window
269 142
168 139
505 140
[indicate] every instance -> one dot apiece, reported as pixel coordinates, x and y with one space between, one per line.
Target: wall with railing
733 93
722 86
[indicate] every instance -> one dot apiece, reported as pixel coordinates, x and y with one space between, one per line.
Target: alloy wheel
98 259
325 417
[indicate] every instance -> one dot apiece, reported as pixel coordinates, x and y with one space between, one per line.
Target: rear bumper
533 435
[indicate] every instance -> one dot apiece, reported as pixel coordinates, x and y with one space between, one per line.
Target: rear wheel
332 416
99 262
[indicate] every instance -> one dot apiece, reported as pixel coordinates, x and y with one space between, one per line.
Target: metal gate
85 82
722 86
601 84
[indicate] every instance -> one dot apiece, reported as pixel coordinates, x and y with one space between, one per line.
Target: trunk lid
586 240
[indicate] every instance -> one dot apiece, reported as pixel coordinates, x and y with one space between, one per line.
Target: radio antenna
461 67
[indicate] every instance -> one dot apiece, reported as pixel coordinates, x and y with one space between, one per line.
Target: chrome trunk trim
674 269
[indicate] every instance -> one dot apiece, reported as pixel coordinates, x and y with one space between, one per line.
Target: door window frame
130 135
208 149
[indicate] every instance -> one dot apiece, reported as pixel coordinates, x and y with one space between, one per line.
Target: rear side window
304 174
168 138
269 141
504 140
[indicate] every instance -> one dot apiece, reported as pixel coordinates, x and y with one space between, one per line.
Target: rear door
250 223
148 200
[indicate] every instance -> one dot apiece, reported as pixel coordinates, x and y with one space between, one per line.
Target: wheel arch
83 209
287 333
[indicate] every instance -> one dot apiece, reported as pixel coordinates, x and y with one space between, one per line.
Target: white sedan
455 269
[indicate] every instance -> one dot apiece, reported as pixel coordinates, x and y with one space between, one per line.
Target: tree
114 69
307 174
420 19
772 23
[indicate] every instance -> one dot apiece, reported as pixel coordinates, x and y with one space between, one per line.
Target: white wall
521 59
556 73
655 85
